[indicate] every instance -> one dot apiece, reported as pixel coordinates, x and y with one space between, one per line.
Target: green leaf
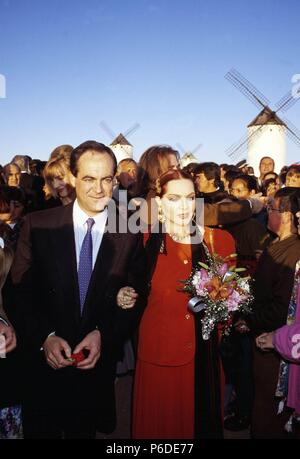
239 270
229 279
203 265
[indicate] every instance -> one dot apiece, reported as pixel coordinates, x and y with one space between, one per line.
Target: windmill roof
266 116
120 140
189 155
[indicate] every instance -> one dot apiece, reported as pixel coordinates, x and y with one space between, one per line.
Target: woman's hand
126 297
9 341
241 326
265 341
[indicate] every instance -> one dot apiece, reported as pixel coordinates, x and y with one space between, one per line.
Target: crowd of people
82 299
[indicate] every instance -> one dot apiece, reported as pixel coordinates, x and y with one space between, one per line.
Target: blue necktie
85 268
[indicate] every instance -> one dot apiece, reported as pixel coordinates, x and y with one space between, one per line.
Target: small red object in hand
76 358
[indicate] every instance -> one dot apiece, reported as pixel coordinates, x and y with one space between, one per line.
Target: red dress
164 380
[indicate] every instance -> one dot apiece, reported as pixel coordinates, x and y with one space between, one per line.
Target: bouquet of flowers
219 290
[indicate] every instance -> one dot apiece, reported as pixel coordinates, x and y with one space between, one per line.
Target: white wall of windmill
269 141
122 151
187 159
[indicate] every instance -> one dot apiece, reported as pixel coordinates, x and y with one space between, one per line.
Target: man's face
18 210
94 182
202 183
266 165
239 189
13 176
274 215
127 174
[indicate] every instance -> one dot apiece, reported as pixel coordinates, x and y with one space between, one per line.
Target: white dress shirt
80 228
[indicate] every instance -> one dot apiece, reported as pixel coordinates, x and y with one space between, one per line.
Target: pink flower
223 269
200 280
233 301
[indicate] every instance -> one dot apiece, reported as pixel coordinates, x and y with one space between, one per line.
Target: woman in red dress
176 388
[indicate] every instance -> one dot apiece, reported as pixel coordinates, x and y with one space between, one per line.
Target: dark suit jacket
46 299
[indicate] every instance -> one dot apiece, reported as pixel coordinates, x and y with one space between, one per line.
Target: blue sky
69 64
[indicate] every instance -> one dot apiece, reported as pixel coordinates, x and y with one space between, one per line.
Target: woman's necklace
179 237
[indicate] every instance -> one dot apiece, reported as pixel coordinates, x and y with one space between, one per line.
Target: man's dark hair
231 174
90 145
211 171
289 201
249 181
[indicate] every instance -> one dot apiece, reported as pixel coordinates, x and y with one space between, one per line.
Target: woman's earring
161 216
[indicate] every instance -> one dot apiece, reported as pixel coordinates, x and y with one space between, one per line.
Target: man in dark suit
66 274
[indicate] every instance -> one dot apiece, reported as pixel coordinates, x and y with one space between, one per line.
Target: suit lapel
64 243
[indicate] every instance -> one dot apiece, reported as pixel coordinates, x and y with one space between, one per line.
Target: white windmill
266 134
120 145
188 157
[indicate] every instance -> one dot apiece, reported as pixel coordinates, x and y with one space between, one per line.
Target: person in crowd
272 175
282 175
62 150
208 182
157 160
190 168
293 176
243 187
26 179
229 175
238 371
28 182
250 171
269 187
176 388
126 173
12 174
12 210
266 165
66 275
126 177
273 288
286 341
57 177
10 409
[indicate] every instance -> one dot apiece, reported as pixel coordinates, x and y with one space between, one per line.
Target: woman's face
179 202
173 162
293 179
272 188
61 185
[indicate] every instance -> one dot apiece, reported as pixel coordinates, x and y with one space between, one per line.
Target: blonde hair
57 167
62 151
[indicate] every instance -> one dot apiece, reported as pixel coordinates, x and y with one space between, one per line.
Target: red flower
76 358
